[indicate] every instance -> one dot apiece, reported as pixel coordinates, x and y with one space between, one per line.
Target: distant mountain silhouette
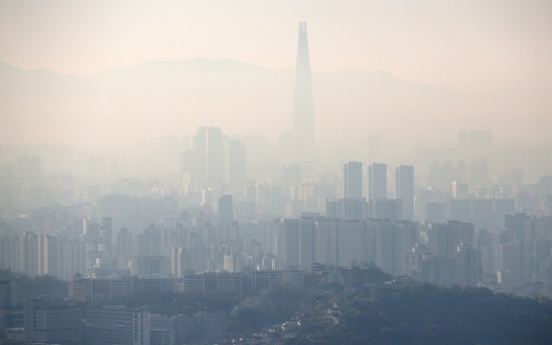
163 97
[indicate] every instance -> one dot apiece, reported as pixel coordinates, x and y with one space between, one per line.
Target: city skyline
169 176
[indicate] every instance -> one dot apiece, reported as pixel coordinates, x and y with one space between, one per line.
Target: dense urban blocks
207 234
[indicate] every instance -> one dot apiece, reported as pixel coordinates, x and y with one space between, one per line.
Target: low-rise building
117 325
110 289
52 321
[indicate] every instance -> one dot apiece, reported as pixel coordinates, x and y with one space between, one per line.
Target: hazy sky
469 41
495 55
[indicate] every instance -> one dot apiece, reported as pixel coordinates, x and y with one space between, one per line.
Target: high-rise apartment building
377 181
385 209
352 180
235 165
72 257
125 248
467 265
348 208
215 162
308 230
49 256
405 190
291 243
327 249
226 210
351 244
524 227
209 155
444 238
393 241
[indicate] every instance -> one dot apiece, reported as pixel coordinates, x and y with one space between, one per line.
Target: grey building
52 321
117 325
352 180
405 190
377 181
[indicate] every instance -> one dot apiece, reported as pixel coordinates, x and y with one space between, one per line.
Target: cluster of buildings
94 312
58 321
200 284
224 230
465 239
160 257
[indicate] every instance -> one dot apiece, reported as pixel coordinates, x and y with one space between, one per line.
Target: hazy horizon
147 147
491 41
397 69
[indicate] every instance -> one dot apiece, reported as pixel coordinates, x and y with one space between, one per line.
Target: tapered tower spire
303 113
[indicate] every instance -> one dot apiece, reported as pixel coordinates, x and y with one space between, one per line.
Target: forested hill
426 314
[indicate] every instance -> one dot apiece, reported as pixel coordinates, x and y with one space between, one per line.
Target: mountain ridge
158 97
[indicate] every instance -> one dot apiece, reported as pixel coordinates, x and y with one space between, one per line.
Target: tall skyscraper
377 181
352 180
303 113
405 190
